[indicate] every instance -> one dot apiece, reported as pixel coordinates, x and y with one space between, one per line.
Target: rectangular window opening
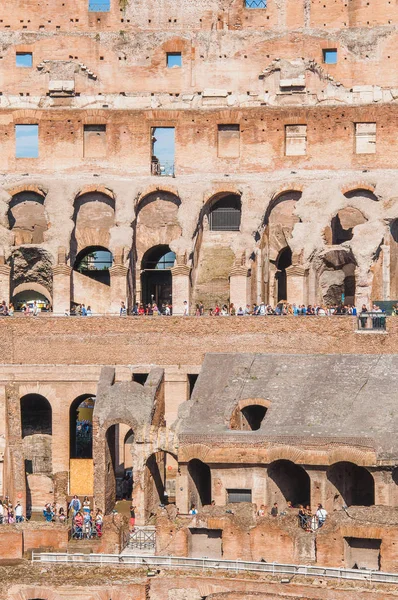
365 138
330 56
362 553
192 378
99 5
255 3
295 140
174 59
163 151
24 59
26 141
205 543
236 495
94 141
228 145
140 377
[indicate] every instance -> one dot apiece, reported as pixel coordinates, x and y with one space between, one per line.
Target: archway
94 262
199 487
36 429
352 485
248 417
119 476
160 481
94 216
156 279
27 218
225 213
288 481
343 223
81 427
283 261
36 415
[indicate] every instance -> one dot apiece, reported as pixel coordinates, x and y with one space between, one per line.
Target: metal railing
162 169
372 321
143 538
225 219
256 3
226 565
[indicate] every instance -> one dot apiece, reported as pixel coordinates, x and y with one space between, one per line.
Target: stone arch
337 276
199 483
288 482
156 278
249 414
350 485
224 212
160 475
30 266
275 254
93 217
81 427
27 217
34 593
94 262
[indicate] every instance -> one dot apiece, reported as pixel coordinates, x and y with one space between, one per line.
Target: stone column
180 289
318 487
238 286
62 281
386 274
295 284
383 487
4 281
118 274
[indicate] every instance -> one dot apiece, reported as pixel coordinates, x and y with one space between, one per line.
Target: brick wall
172 341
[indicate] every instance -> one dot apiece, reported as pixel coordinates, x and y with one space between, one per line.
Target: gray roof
312 396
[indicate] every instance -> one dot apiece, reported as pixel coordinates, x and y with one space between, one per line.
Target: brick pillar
4 282
181 288
386 273
182 491
295 283
318 488
238 282
383 485
118 275
62 285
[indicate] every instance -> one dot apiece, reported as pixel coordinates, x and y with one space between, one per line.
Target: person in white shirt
321 515
18 513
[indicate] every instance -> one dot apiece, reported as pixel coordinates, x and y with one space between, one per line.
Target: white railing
226 565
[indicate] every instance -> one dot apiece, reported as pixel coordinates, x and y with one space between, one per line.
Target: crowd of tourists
307 518
85 524
10 512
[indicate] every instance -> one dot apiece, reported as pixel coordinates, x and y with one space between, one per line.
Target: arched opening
94 262
248 417
283 261
119 440
31 270
36 415
36 428
94 217
27 218
343 223
225 213
160 481
156 279
28 299
288 481
361 193
199 487
353 485
81 427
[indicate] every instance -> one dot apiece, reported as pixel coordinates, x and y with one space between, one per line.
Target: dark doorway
283 262
81 427
291 481
253 416
36 415
200 483
355 485
156 280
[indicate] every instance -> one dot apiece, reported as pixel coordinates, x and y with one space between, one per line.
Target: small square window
24 59
26 141
94 141
330 56
174 59
99 5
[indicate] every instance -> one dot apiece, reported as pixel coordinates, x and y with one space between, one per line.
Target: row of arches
350 484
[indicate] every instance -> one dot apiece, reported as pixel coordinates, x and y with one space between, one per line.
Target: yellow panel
81 477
